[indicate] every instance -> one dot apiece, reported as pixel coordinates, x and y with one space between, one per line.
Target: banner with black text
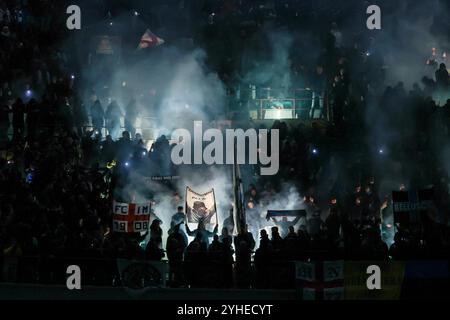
131 217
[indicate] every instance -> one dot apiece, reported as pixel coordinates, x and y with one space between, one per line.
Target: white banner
201 207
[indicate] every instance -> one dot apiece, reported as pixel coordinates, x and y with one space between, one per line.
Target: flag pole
215 207
238 210
185 206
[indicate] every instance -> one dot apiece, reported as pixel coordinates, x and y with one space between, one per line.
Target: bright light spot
127 164
315 151
381 151
110 23
144 153
124 84
28 93
72 77
136 13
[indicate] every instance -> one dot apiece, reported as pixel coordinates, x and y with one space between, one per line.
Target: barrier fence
310 279
263 104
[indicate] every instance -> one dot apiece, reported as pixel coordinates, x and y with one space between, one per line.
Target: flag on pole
238 193
131 217
150 40
201 207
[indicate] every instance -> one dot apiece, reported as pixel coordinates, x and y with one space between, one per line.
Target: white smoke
274 67
185 89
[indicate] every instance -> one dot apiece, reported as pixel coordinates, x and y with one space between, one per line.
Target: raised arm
294 222
212 233
190 232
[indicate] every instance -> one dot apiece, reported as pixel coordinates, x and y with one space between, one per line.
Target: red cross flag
320 280
131 217
149 40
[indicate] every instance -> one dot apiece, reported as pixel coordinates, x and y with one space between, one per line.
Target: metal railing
301 103
102 271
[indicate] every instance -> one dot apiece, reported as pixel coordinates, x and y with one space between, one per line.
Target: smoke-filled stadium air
221 141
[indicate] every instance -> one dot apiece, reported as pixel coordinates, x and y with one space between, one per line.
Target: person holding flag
284 223
202 232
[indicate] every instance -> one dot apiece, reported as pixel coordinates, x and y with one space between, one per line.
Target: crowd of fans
61 167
